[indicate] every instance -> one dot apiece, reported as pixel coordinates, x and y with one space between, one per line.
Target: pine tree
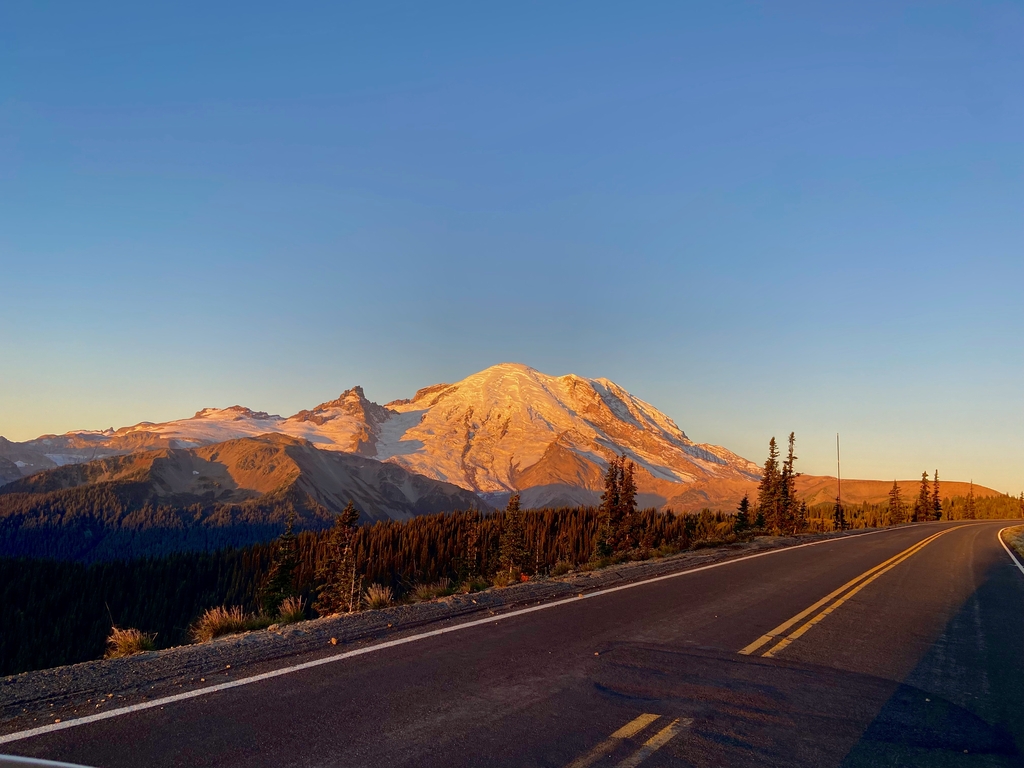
970 512
768 489
280 581
838 516
741 522
897 509
923 505
788 504
336 572
1022 503
759 521
512 550
608 509
623 534
936 497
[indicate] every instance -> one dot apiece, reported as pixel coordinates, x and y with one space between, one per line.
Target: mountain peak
506 428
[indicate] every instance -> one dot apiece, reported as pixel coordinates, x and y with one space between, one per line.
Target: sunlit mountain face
507 428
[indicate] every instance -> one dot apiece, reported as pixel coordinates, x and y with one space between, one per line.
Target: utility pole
839 474
839 519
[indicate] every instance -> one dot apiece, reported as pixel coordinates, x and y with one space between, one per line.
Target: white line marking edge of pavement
1008 550
111 713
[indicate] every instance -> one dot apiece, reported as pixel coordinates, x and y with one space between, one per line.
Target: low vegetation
127 642
219 621
379 596
1014 537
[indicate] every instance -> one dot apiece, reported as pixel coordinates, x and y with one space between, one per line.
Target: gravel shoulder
36 698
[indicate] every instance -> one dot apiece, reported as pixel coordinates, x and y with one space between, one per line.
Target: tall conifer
741 522
512 550
923 505
897 509
280 581
768 489
623 532
936 497
336 572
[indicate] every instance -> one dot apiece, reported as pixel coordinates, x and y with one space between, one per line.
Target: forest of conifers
60 612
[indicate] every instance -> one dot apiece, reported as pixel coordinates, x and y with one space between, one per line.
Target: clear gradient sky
758 217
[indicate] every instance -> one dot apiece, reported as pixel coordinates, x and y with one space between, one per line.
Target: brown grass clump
378 596
292 609
219 621
440 588
127 642
561 568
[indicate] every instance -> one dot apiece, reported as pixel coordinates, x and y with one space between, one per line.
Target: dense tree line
61 612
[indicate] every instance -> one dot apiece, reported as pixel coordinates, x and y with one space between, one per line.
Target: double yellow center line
788 631
628 731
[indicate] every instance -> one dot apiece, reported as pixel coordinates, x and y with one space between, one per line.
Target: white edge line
110 713
1008 550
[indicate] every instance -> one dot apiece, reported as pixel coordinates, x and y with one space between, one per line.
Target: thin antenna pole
839 473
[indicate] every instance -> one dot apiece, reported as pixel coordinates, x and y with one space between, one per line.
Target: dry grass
1015 539
292 609
441 588
219 621
126 642
561 568
378 596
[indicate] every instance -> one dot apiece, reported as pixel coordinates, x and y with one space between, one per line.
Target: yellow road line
870 575
631 728
656 742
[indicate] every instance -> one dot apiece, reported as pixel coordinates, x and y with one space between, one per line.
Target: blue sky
758 217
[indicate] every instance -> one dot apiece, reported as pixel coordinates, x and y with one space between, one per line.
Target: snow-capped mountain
506 428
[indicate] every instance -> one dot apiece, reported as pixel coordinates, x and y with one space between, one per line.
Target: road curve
898 648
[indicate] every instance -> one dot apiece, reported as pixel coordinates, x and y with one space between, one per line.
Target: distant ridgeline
55 612
118 521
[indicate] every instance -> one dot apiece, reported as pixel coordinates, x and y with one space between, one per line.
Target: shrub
292 609
440 588
561 568
379 596
126 642
475 584
219 621
506 576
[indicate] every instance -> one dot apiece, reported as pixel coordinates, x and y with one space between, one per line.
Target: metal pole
839 480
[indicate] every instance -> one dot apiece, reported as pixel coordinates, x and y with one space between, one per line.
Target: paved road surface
899 655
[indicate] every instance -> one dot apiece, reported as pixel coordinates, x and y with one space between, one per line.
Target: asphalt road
919 662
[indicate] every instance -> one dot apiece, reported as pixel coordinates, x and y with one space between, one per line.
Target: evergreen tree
471 559
788 504
741 522
970 512
759 521
838 516
623 533
936 497
280 581
1022 503
801 516
768 490
337 570
608 509
897 509
512 551
923 505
